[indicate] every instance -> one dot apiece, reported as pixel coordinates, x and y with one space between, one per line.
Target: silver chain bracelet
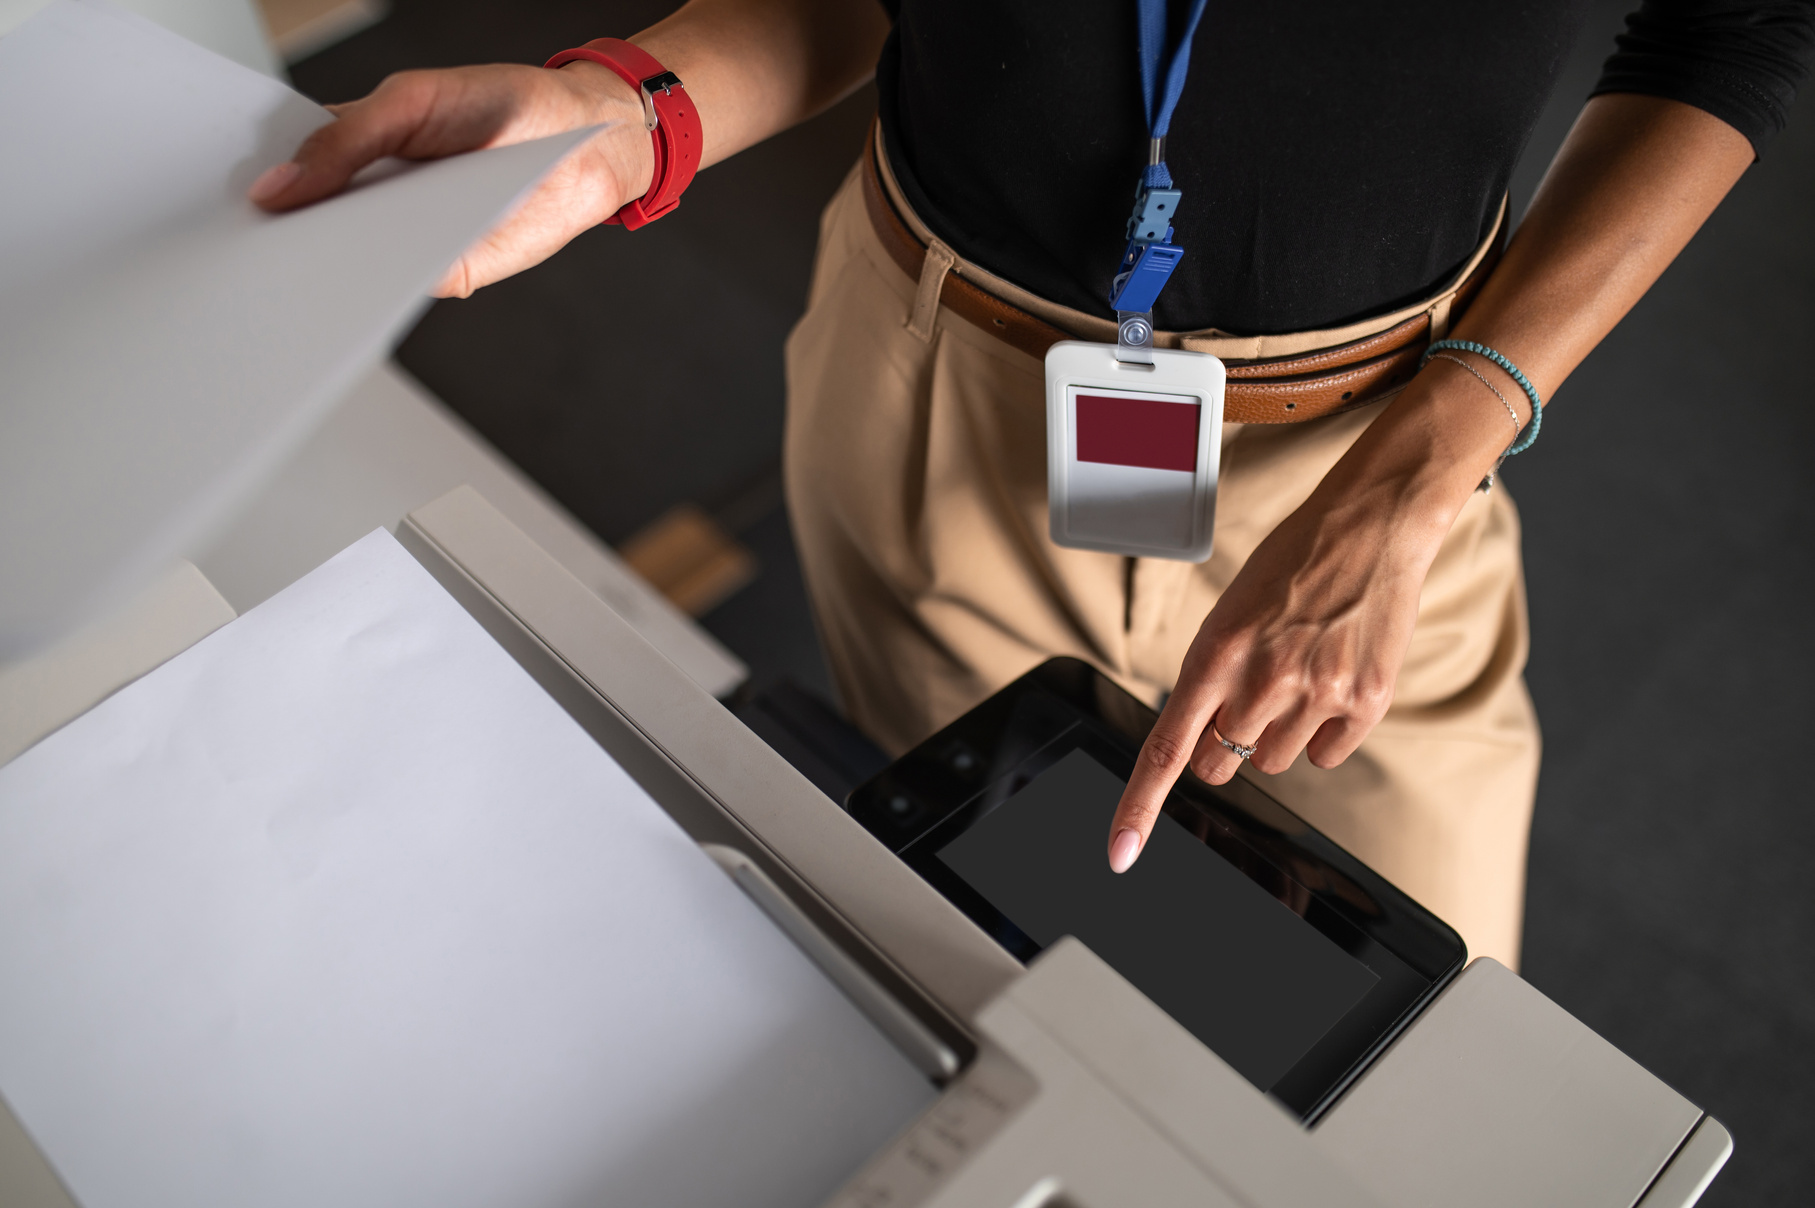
1487 484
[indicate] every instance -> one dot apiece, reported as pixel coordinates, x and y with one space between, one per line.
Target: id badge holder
1132 449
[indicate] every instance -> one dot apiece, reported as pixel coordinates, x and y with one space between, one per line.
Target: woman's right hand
429 114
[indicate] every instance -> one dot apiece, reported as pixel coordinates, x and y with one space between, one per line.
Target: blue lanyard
1152 18
1151 256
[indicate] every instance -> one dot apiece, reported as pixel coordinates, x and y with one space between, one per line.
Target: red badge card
1125 430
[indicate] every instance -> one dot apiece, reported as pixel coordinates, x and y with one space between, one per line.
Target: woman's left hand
1302 651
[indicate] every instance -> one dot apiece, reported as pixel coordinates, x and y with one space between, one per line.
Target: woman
1343 174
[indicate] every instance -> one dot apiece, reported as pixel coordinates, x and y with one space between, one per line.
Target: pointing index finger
1162 760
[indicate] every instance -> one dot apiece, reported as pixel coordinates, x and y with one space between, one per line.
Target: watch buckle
665 84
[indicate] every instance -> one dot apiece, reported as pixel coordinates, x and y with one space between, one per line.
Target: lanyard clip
1151 256
1146 267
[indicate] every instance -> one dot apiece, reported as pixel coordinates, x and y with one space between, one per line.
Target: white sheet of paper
339 908
163 343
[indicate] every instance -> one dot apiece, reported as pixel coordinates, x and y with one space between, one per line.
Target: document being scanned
163 343
340 908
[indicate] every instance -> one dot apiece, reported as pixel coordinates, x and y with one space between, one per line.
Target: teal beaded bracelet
1531 392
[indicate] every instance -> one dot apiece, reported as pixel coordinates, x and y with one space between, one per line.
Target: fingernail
1124 848
274 181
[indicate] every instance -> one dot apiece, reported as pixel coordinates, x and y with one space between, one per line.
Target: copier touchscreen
1287 956
1226 959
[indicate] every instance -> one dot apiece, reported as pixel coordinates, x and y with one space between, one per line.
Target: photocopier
1063 1084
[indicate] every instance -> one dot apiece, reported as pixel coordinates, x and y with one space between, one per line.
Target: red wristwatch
668 116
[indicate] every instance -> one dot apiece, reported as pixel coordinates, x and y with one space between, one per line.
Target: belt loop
938 262
1440 315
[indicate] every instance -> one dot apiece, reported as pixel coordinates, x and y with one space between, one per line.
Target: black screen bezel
938 790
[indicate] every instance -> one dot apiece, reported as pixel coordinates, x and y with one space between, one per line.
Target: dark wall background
1667 511
1668 553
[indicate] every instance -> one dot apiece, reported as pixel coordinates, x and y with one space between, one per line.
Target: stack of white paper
340 908
163 343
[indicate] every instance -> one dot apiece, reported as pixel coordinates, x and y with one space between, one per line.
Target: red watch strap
676 133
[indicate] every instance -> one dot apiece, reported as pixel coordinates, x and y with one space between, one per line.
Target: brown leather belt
1279 390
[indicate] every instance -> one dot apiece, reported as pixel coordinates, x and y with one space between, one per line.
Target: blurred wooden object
687 557
299 28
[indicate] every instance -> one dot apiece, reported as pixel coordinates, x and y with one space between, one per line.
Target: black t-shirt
1337 159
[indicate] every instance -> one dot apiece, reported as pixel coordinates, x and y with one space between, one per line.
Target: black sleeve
1740 60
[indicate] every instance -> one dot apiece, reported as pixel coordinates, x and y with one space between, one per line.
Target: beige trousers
916 476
